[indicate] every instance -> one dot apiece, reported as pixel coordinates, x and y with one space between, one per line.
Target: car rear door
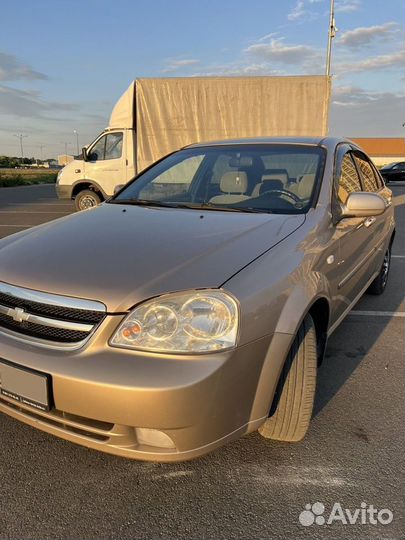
379 225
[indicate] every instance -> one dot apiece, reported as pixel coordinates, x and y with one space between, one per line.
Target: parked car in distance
195 305
393 172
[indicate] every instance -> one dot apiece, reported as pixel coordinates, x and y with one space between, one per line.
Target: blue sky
63 64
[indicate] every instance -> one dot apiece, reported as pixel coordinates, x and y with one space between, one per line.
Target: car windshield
246 178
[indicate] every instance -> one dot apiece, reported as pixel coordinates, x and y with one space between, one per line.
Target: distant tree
9 162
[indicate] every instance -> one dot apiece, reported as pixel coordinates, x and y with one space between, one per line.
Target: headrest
305 186
234 182
276 174
244 161
268 185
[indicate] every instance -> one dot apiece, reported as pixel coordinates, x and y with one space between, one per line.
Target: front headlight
186 322
59 176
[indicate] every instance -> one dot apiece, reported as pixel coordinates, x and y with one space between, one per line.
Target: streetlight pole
66 146
41 146
21 136
331 34
77 140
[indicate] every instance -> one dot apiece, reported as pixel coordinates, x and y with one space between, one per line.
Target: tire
294 399
378 285
86 199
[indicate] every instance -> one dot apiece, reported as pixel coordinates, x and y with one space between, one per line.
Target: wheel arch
318 307
83 184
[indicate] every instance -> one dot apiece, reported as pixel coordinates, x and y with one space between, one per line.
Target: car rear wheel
294 399
378 285
86 199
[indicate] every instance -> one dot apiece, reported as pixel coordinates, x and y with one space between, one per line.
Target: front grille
56 312
47 317
42 332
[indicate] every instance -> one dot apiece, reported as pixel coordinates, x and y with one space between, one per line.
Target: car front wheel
86 199
294 399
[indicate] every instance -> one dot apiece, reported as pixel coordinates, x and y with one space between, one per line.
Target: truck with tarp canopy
155 117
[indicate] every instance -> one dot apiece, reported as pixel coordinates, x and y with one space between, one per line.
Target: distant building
382 150
40 165
53 164
64 159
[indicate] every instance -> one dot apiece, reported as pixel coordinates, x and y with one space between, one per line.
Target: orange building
382 150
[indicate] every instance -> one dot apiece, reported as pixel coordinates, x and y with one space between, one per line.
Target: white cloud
278 52
237 70
359 37
11 69
28 104
374 63
297 12
356 112
303 10
268 36
175 65
347 6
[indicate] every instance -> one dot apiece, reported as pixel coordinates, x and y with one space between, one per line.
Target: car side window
97 152
349 180
370 182
108 147
113 146
378 177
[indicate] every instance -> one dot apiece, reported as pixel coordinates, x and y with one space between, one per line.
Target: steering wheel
289 194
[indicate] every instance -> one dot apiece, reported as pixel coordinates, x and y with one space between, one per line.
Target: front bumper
102 395
63 191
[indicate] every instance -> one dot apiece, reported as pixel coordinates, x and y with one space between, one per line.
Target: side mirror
118 188
84 153
363 204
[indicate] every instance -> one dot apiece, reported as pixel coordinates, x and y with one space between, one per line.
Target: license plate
25 385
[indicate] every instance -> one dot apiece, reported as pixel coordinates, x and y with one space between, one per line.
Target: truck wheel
294 398
86 199
378 285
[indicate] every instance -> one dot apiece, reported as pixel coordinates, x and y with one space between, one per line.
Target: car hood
121 255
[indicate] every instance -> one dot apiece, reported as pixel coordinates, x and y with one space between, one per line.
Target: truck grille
48 319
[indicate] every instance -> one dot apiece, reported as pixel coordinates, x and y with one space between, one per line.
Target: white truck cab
105 163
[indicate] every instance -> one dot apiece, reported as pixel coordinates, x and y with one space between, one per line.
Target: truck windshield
246 178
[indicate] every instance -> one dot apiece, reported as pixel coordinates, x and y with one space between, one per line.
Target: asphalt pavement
252 488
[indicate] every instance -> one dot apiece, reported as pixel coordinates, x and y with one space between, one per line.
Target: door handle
369 221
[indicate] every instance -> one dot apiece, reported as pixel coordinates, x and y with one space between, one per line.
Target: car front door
357 236
106 162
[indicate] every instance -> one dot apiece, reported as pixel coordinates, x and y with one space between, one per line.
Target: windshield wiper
247 209
147 202
191 206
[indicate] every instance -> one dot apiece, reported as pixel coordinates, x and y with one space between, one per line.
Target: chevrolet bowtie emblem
18 314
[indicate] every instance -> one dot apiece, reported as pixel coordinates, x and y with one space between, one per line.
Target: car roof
328 142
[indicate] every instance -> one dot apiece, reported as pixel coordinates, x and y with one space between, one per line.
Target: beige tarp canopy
171 113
